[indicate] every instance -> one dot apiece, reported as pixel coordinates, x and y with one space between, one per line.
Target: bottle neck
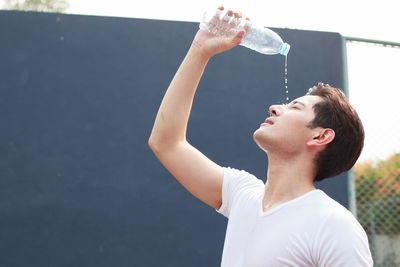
284 50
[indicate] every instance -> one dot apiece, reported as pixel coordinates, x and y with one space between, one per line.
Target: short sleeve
344 243
235 184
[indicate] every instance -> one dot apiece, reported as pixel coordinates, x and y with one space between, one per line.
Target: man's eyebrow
298 102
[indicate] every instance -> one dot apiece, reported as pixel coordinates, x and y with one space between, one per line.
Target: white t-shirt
311 230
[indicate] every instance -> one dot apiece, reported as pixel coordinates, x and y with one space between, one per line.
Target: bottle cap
285 49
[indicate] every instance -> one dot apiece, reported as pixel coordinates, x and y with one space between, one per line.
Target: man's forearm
173 115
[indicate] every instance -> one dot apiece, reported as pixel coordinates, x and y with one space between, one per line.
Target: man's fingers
237 14
229 23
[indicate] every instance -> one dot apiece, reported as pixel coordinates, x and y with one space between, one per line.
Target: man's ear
322 137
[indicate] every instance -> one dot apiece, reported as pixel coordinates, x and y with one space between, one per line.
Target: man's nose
274 110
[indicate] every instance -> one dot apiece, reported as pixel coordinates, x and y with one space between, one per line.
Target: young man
285 222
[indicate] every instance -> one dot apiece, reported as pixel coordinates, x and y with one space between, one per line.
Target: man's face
286 129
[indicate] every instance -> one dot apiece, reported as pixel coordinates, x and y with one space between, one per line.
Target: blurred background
370 30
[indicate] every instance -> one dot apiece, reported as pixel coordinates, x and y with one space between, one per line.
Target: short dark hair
336 113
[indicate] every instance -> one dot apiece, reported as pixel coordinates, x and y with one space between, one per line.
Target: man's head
322 124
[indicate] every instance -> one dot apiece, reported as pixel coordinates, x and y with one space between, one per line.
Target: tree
378 195
37 5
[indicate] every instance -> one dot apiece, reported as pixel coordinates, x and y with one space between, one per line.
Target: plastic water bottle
258 38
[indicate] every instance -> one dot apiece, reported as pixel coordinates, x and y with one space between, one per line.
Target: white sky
373 71
377 19
374 90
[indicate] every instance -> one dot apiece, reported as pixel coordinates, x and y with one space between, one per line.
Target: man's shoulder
329 208
335 215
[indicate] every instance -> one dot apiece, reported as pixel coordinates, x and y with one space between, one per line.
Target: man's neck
287 179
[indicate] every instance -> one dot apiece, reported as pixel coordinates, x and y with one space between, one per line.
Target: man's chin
260 142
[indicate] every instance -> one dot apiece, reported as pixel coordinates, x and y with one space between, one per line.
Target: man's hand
211 44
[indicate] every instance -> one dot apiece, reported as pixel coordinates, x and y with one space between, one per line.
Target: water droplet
286 80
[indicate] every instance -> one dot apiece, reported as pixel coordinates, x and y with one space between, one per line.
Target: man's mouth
269 121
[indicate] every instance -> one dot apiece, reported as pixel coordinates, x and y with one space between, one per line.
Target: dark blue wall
78 98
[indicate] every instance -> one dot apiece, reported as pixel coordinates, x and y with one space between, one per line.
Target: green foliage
37 5
378 195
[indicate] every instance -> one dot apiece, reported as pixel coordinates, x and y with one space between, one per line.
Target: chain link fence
378 207
377 174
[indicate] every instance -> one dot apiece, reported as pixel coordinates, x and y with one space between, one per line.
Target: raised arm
198 174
